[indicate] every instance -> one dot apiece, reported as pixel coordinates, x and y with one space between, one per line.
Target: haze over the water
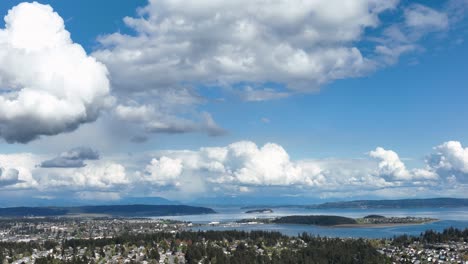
248 101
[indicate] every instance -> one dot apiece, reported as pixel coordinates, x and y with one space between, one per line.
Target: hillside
111 210
388 204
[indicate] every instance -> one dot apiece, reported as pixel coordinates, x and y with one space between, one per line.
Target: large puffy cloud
261 50
450 160
48 84
231 168
18 169
392 168
164 171
268 165
245 164
73 158
390 164
179 49
96 176
235 169
257 50
239 163
301 44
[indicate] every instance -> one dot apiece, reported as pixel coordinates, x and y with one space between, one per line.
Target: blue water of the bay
448 217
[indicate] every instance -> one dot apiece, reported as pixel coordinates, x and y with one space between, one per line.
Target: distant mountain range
383 204
403 203
107 210
252 200
247 202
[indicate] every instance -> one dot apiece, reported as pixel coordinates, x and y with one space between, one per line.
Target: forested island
333 220
321 220
260 211
106 210
376 220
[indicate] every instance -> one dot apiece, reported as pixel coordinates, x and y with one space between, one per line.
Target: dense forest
431 237
323 220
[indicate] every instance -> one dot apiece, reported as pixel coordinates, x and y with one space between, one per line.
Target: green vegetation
381 220
112 210
333 220
323 220
430 236
373 216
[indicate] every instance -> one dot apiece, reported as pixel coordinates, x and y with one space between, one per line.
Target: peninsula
341 221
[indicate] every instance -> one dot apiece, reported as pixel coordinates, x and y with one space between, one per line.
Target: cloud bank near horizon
239 168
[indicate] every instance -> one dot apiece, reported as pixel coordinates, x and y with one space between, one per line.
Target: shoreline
381 225
229 224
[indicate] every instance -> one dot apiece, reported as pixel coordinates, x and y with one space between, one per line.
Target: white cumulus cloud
20 166
393 169
98 176
240 163
390 164
301 44
164 171
450 159
48 84
237 168
178 49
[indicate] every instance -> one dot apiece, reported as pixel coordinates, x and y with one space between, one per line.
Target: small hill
373 216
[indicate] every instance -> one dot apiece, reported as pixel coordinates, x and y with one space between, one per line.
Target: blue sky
184 100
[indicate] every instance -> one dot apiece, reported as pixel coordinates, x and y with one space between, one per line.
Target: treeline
431 237
316 250
269 238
